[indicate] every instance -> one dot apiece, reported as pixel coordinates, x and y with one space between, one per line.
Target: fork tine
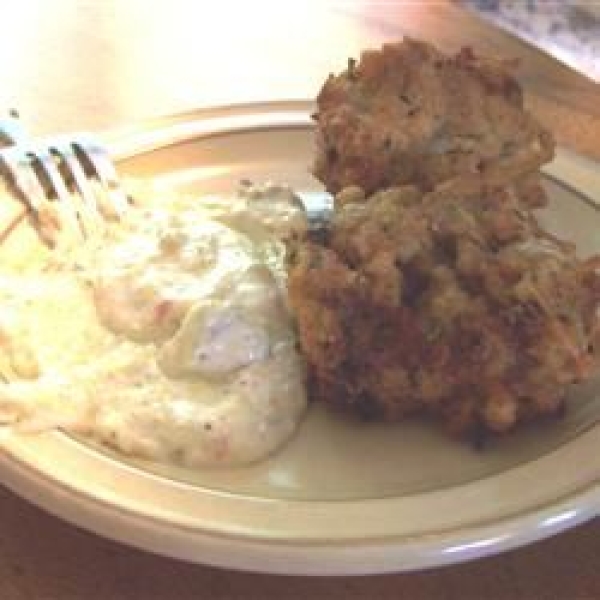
48 165
68 216
19 168
29 190
90 218
96 156
50 216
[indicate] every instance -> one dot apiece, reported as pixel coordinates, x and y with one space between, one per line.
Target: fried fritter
455 303
408 114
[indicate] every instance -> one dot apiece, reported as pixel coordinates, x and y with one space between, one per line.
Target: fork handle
11 130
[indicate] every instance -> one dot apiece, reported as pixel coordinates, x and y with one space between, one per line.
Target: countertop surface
568 30
81 64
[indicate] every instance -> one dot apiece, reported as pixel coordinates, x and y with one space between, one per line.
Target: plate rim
302 558
361 554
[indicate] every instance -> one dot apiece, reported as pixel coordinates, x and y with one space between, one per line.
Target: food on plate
453 302
408 114
192 331
166 336
435 289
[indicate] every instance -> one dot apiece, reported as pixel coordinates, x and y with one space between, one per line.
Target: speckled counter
570 31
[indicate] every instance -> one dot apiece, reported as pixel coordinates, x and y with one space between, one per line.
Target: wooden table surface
85 64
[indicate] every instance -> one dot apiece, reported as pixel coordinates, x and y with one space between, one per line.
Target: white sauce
165 337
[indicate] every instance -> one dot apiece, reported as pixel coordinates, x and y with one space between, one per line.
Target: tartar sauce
165 336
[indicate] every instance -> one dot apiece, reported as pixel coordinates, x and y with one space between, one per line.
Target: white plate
342 497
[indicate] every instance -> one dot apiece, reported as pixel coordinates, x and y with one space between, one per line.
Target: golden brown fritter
452 302
408 114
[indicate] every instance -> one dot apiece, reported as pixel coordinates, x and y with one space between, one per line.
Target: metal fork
67 183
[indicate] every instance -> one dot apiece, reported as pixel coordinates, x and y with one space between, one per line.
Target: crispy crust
408 114
453 302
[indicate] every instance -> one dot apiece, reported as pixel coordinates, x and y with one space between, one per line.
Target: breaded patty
455 303
408 114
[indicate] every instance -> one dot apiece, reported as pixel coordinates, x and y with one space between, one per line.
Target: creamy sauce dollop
165 336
